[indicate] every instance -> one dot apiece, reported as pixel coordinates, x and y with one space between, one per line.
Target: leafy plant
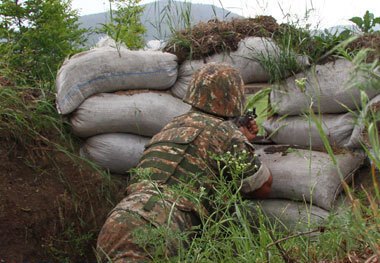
321 44
283 63
36 36
125 25
314 44
366 23
177 16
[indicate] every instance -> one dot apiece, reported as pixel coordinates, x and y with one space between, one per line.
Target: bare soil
51 207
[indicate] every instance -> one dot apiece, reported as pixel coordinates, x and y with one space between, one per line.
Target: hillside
158 16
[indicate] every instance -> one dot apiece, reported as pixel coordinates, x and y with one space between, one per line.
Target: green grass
235 232
280 66
260 103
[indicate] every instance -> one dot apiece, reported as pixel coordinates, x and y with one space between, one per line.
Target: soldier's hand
250 131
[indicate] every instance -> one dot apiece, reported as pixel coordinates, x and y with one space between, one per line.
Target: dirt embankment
51 208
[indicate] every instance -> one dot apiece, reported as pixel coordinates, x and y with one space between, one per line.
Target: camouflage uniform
180 155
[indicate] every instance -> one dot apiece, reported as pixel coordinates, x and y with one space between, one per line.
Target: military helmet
217 89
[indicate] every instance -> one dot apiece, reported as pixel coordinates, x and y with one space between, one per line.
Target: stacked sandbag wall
112 93
117 99
330 92
323 99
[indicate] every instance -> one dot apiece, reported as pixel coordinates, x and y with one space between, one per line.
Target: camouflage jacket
183 151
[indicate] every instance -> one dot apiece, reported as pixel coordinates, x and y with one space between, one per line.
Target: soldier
180 154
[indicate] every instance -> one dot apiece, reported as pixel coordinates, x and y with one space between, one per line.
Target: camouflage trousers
144 208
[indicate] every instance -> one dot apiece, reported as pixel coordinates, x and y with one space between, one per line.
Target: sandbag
244 59
329 88
306 175
110 69
116 152
302 130
143 113
359 135
107 41
155 45
289 215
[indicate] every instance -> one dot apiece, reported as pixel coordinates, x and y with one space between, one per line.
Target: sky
321 13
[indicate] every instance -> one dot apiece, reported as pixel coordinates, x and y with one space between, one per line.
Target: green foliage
36 37
366 23
226 235
320 45
260 102
125 25
78 241
20 114
177 16
315 45
238 231
284 63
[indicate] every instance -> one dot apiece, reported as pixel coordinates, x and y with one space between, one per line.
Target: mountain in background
158 17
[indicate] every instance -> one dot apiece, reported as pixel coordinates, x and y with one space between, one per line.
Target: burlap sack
359 135
329 88
289 215
143 113
116 152
306 175
302 130
110 69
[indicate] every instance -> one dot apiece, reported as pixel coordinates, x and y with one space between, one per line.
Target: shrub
36 36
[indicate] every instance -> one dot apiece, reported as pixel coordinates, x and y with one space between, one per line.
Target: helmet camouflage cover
217 89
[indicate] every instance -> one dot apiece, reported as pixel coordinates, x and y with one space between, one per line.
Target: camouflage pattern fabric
178 155
217 89
142 209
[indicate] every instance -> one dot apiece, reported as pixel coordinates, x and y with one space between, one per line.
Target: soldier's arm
258 180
